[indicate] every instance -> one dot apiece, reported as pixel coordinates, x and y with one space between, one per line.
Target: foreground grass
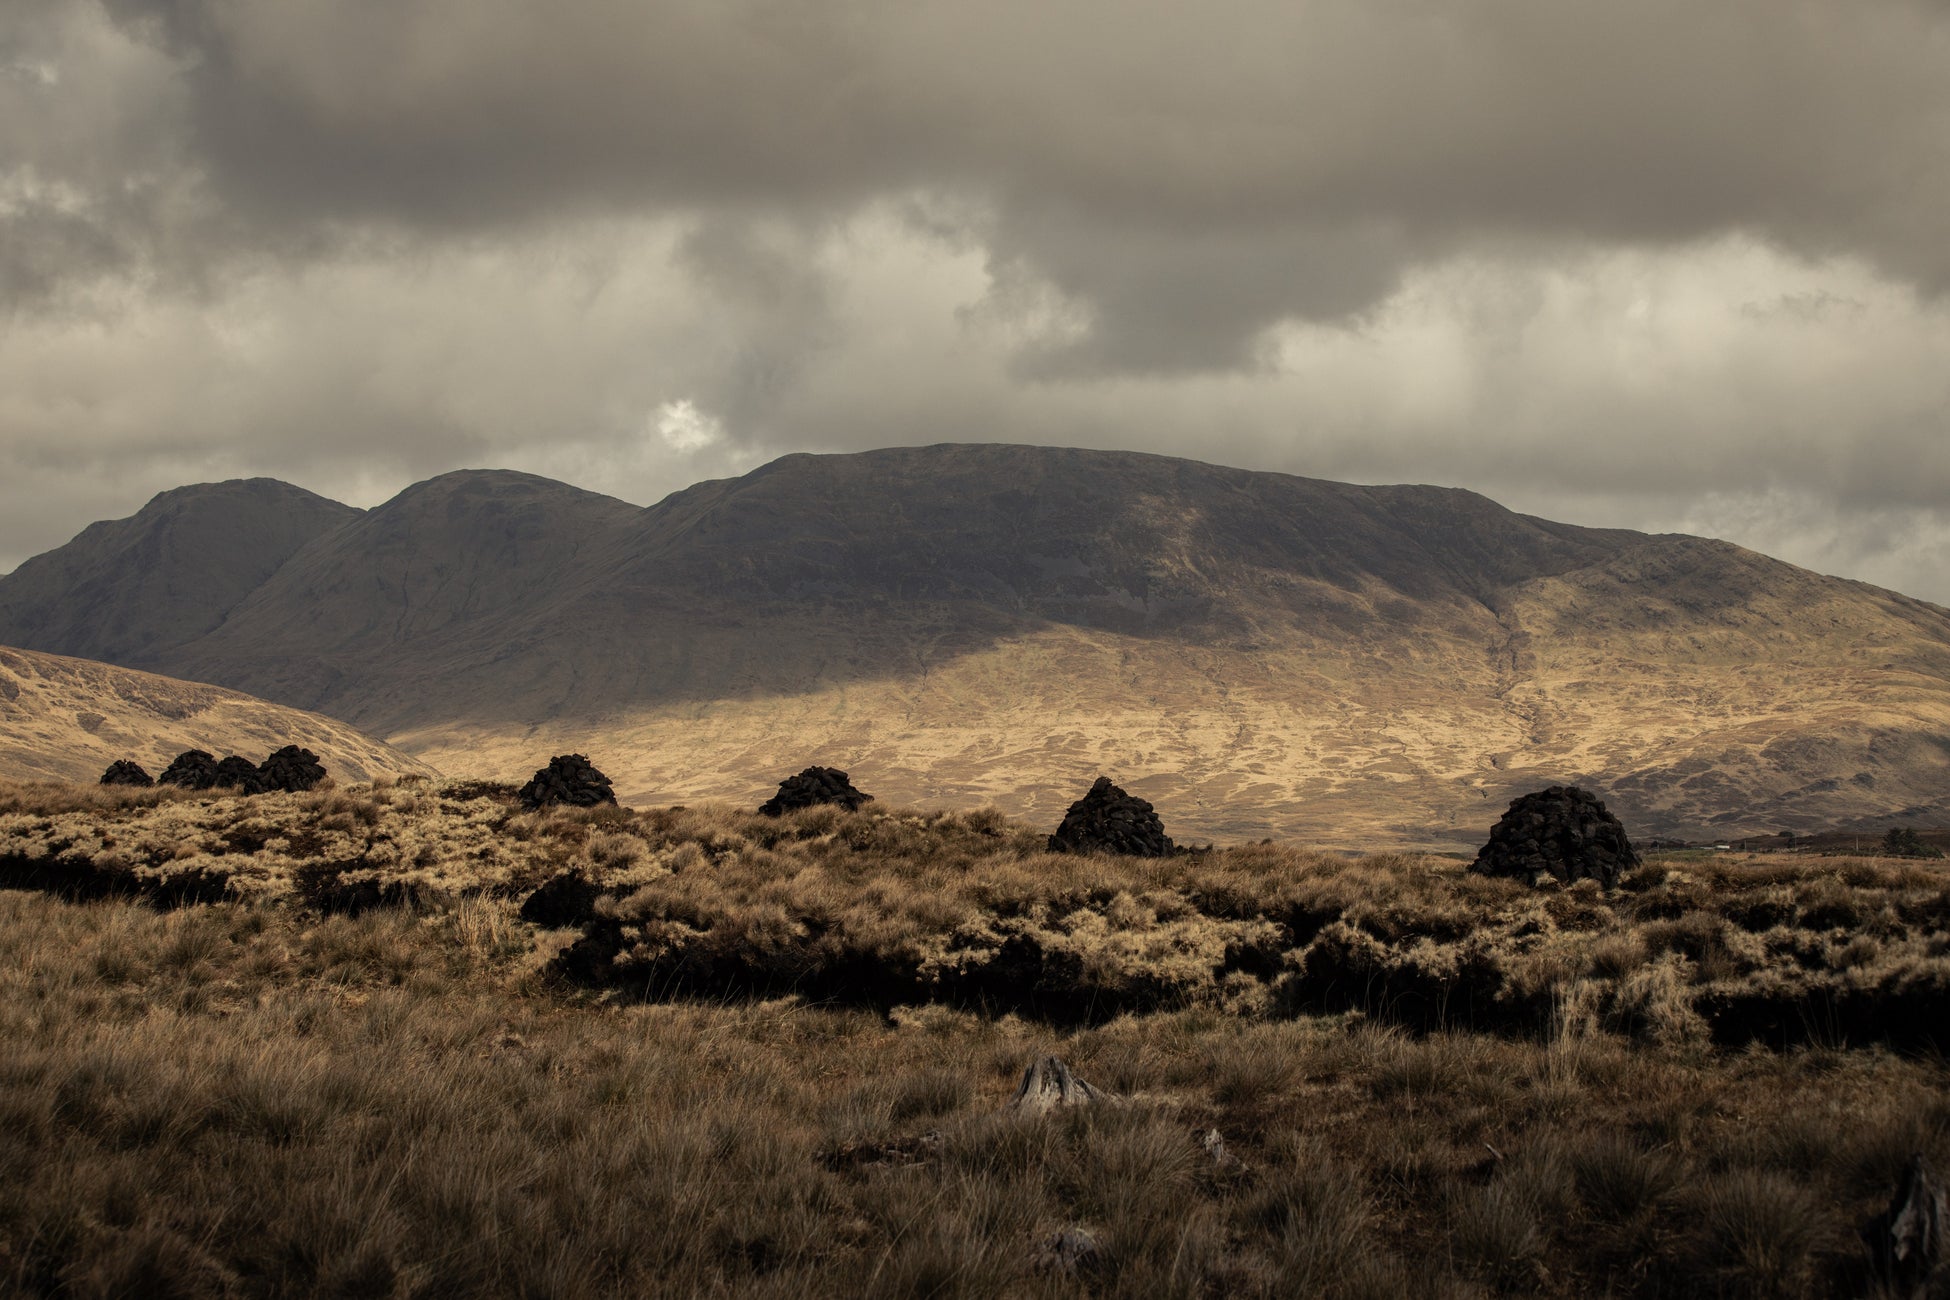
889 907
253 1099
304 1045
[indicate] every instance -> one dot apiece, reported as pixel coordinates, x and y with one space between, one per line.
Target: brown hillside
64 719
1257 654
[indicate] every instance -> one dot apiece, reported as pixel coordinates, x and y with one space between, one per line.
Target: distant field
304 1044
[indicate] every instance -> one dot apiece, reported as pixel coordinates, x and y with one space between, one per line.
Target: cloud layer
1658 265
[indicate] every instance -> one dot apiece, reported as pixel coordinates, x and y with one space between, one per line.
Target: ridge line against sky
1662 266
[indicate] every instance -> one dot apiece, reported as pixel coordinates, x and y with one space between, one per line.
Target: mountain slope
826 569
65 719
131 590
1256 653
418 598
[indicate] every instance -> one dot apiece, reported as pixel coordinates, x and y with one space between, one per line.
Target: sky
1660 265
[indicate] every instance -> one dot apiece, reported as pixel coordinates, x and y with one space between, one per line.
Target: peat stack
1562 833
1107 820
239 772
125 771
815 785
193 769
291 769
568 779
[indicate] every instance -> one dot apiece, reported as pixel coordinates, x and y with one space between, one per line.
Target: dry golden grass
65 719
887 907
299 1089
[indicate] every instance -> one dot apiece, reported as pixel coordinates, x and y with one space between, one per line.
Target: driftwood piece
1048 1084
1907 1239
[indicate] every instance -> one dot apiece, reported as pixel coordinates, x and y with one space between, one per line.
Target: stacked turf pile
1107 820
814 786
1563 834
569 780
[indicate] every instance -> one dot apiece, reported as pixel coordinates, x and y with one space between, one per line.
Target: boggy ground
307 1086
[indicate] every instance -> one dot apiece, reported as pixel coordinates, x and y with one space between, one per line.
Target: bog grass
775 1059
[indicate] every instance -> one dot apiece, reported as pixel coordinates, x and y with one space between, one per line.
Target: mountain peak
129 590
509 485
1254 653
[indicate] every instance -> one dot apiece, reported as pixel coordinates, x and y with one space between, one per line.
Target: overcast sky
1660 264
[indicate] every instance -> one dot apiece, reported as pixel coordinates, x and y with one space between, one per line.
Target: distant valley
1258 654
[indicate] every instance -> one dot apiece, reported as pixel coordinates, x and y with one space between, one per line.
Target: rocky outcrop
1107 820
291 769
125 771
193 769
815 785
569 779
1562 833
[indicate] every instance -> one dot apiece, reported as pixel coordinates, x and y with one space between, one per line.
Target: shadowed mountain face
133 590
1254 653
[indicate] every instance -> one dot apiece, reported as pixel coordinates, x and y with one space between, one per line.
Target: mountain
64 719
1258 654
426 598
131 590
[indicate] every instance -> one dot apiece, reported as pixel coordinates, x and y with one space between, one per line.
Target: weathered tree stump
125 771
1907 1239
1107 820
815 785
193 769
1048 1084
1214 1146
569 779
1072 1252
1562 833
291 769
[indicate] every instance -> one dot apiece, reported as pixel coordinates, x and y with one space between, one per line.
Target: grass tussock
306 1044
248 1099
889 907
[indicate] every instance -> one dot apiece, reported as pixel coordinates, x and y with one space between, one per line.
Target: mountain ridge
969 622
129 589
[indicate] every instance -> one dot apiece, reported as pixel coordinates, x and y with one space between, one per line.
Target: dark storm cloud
1189 174
1663 262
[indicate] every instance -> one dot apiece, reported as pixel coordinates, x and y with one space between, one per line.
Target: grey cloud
766 277
1189 174
1580 256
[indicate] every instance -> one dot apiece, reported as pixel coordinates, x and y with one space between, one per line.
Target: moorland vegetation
304 1043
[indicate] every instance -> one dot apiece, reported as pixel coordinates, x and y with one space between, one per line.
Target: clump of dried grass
258 1098
889 907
